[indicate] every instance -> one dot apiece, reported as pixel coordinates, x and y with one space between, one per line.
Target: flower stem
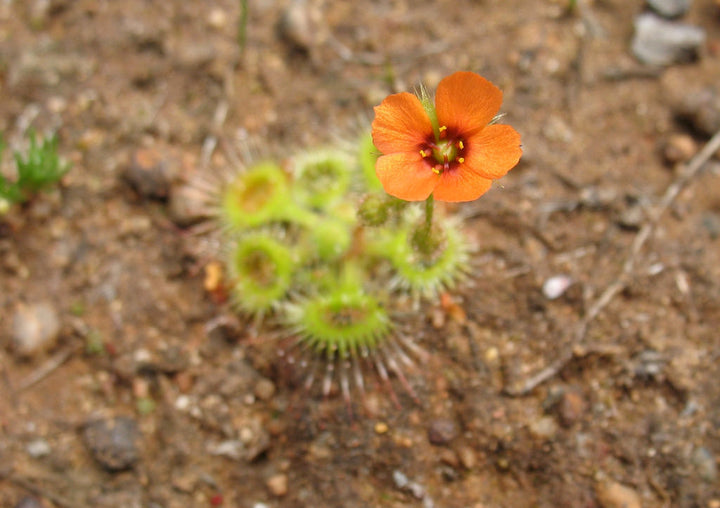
429 208
423 238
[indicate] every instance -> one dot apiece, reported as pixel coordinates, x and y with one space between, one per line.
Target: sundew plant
327 243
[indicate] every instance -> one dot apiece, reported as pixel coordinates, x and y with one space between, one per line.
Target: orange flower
454 156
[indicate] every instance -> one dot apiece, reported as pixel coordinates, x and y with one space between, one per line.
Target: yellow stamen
461 159
461 145
424 154
436 170
443 128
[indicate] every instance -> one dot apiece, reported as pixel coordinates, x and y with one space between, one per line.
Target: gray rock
704 463
661 42
670 8
29 502
702 108
442 431
113 442
38 448
35 328
149 174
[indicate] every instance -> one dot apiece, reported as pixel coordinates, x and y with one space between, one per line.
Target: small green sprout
37 171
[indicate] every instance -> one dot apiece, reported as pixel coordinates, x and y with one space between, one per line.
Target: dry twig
45 369
690 170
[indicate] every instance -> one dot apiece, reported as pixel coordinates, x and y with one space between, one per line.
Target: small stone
148 174
711 223
300 26
188 205
571 407
277 485
35 328
705 464
264 389
543 428
555 286
113 442
632 217
29 502
661 42
679 148
611 494
467 457
670 8
449 457
38 448
441 431
701 107
217 18
381 428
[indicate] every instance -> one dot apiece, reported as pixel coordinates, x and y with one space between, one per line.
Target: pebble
402 482
35 328
217 18
441 431
571 407
632 217
188 205
701 107
611 494
29 502
300 25
467 457
38 448
543 428
278 485
705 464
679 148
670 8
113 442
148 174
264 389
555 286
661 42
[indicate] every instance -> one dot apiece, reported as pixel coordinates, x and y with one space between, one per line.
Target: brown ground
633 414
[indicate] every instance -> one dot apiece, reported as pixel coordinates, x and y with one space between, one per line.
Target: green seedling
38 170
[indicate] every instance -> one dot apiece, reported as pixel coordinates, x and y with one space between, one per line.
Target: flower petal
493 151
406 176
458 185
400 124
466 102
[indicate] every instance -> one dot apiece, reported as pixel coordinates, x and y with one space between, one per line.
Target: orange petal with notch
406 176
467 102
400 124
493 151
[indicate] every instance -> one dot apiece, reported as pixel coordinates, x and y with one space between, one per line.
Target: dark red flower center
445 153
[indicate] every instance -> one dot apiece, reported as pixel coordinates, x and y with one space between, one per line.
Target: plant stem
242 25
429 207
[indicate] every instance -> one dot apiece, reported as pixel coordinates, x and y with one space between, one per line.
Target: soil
155 394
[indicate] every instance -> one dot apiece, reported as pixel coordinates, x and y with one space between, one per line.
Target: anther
460 145
437 169
443 131
424 154
461 159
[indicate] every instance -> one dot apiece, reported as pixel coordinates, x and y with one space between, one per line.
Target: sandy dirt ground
152 393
